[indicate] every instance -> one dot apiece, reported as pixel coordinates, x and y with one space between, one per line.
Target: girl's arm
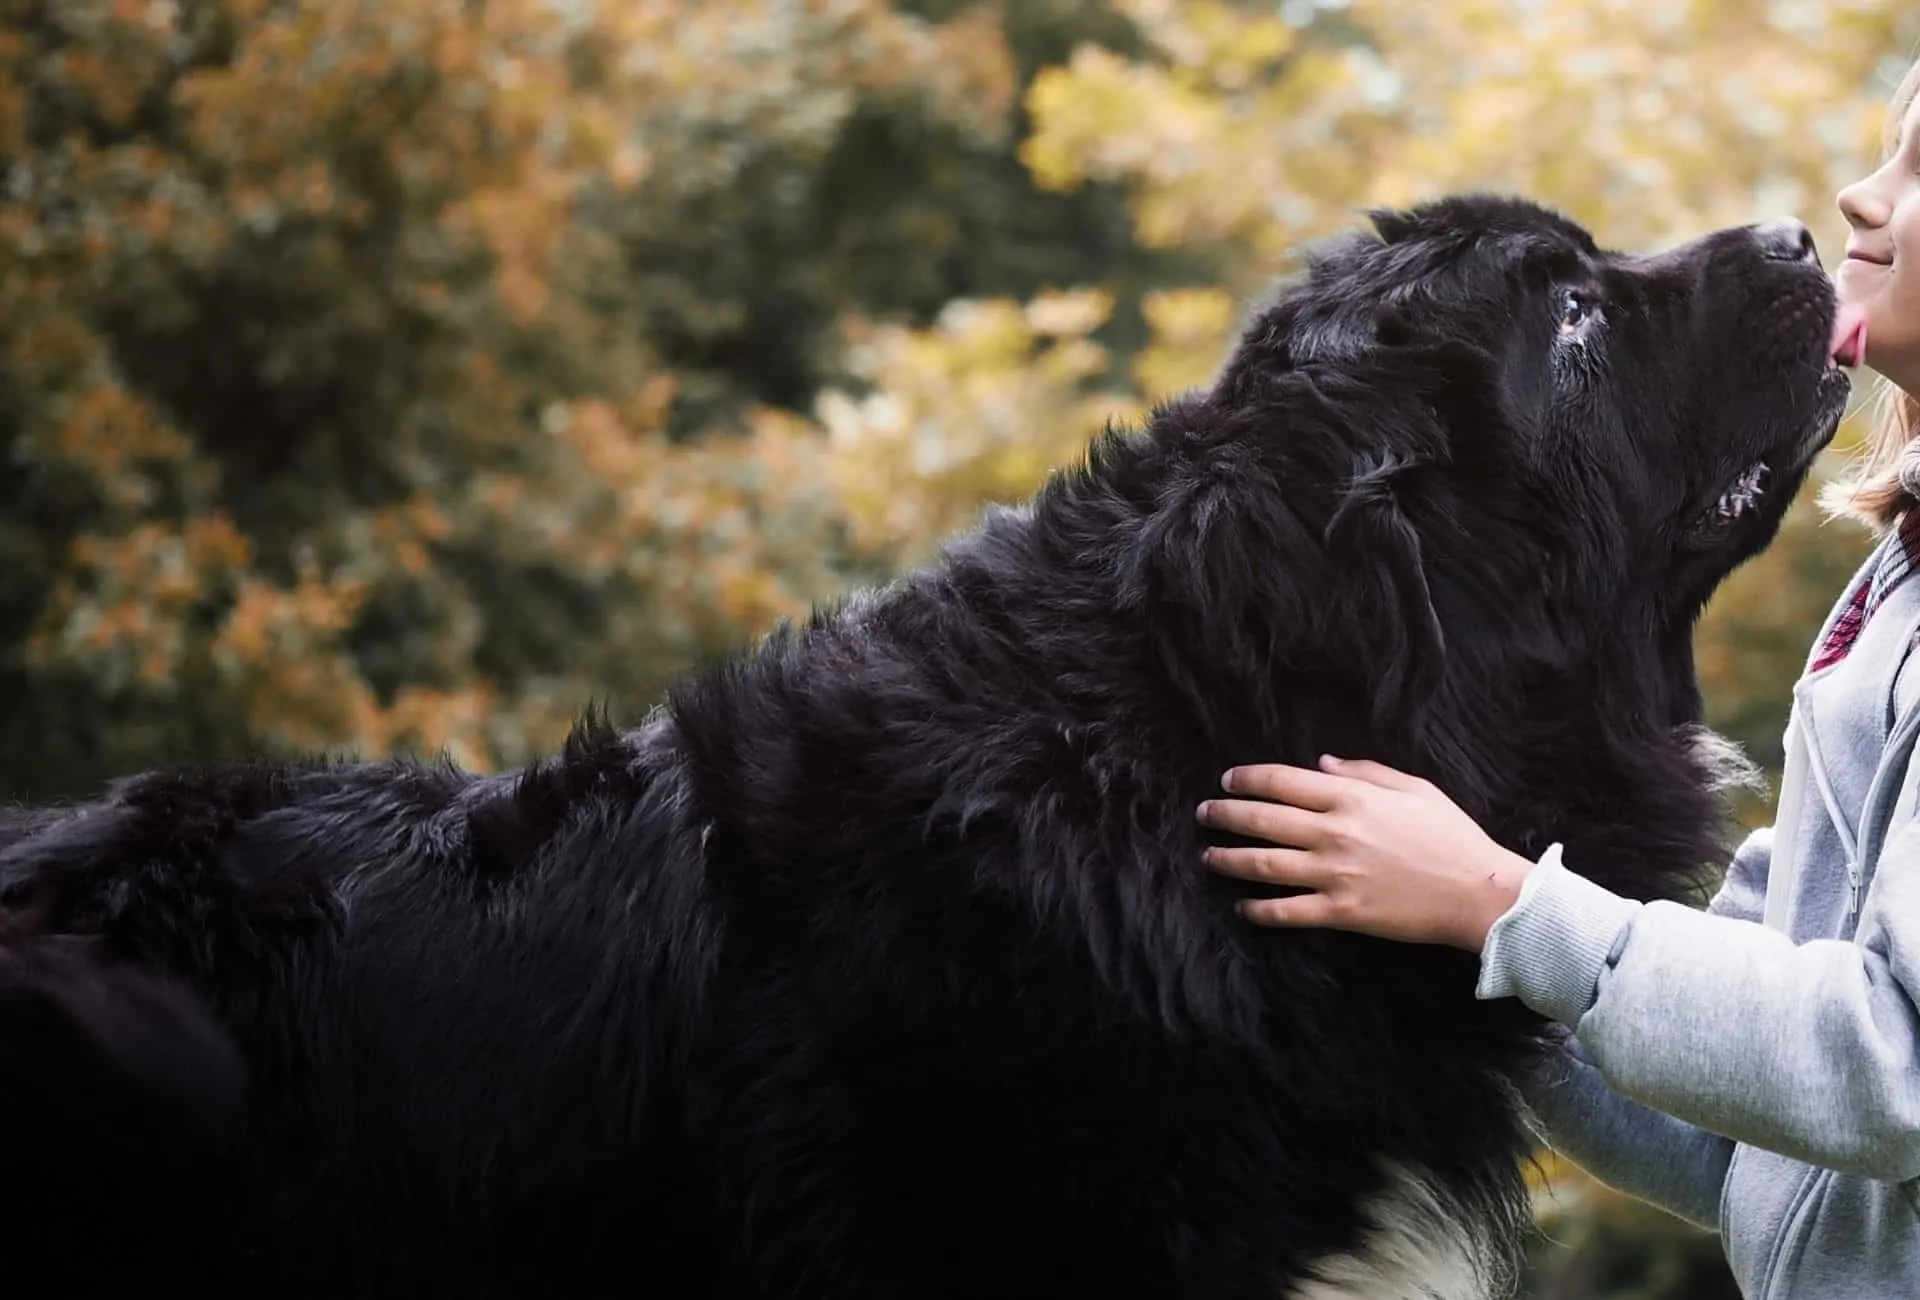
1634 1149
1811 1050
1643 1152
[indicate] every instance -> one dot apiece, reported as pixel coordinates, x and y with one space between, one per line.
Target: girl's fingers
1268 866
1306 910
1275 823
1365 769
1301 786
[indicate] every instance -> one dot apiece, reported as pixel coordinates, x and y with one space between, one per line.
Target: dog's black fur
880 961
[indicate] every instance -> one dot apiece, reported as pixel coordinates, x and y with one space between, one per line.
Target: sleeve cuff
1550 948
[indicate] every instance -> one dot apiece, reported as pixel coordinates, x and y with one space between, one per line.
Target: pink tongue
1849 336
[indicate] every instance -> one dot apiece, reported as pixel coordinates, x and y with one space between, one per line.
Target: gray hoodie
1756 1068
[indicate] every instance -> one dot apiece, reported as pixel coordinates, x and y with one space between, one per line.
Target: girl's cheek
1905 229
1903 303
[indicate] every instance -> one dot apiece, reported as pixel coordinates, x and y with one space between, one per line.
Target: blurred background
408 374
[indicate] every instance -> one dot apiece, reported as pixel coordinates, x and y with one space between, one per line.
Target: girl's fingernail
1328 760
1206 808
1227 779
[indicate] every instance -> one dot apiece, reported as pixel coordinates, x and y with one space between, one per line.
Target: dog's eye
1575 309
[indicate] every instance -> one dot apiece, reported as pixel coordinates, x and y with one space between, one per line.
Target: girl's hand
1380 852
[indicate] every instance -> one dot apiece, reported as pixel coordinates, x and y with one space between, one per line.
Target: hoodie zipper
1899 742
1837 816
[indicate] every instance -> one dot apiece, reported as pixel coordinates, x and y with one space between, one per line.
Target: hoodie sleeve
1811 1050
1664 1161
1635 1149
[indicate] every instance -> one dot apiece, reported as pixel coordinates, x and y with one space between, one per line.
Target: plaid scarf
1897 556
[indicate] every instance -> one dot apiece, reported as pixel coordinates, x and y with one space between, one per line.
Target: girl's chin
1857 281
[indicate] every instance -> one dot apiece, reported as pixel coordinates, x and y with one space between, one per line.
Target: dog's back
118 1091
314 1029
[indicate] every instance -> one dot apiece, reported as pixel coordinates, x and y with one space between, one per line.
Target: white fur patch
1419 1248
1726 765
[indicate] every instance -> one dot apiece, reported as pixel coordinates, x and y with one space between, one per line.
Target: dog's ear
1378 558
1392 224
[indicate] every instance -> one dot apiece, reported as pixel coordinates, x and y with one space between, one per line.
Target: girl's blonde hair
1871 491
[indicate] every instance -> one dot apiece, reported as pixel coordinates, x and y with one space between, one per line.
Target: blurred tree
860 161
1599 1245
320 311
318 429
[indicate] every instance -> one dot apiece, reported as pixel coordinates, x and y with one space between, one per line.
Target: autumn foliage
411 374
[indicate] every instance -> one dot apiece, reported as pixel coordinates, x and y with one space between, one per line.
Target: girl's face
1881 274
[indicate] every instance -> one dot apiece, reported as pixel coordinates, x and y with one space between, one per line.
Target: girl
1754 1068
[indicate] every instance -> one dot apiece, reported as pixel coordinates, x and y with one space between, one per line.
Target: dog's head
1537 429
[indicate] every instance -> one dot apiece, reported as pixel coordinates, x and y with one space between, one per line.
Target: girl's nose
1861 204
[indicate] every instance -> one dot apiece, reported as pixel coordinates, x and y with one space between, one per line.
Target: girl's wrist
1496 888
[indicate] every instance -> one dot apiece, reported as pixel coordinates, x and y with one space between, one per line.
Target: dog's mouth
1846 350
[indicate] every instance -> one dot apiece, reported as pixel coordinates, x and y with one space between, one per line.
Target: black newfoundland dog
880 961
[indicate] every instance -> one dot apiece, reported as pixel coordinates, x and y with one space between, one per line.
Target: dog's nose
1787 240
